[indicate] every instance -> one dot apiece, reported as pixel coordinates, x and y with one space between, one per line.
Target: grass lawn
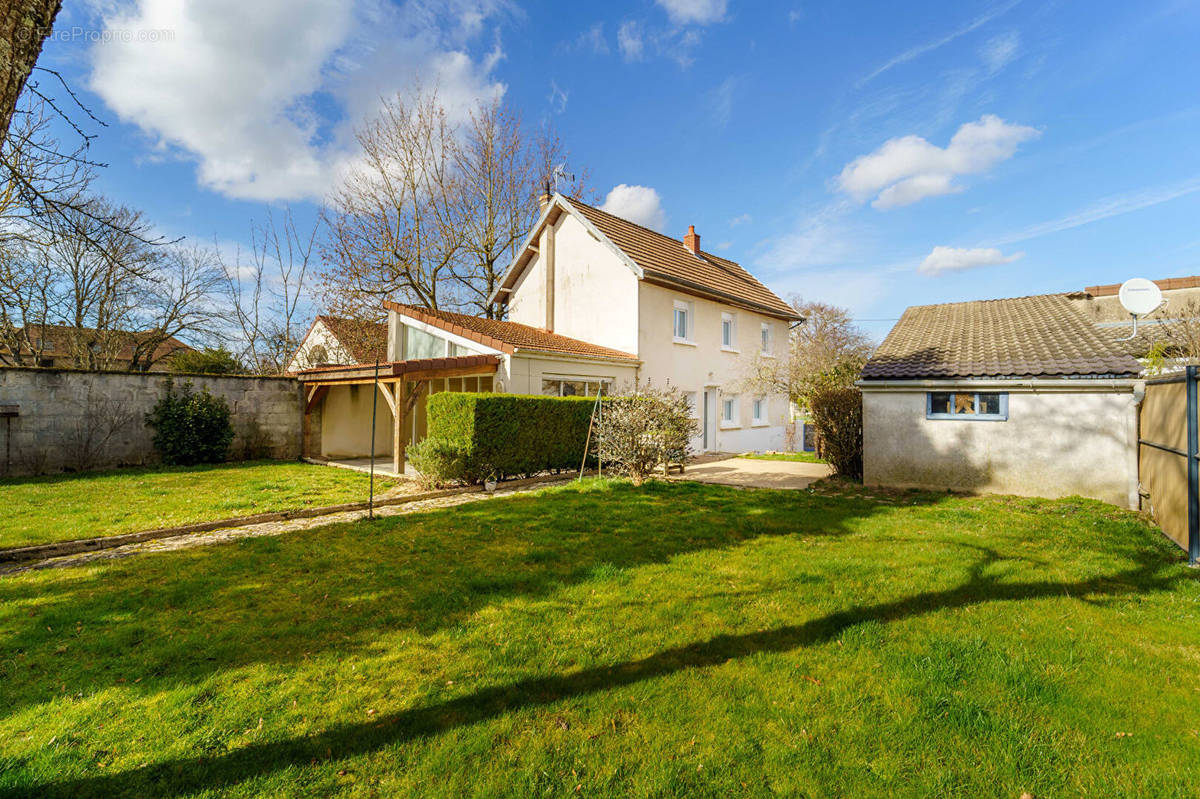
678 640
38 510
799 457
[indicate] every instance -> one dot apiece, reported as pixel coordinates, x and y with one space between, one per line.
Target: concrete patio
383 466
752 473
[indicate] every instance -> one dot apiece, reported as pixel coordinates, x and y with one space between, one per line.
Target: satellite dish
1139 296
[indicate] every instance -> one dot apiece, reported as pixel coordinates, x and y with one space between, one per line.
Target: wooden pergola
400 382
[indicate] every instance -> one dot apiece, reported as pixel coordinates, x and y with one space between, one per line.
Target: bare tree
396 227
266 295
826 349
24 26
27 300
502 169
103 271
177 299
35 166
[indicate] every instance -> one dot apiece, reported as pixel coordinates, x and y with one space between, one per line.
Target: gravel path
189 540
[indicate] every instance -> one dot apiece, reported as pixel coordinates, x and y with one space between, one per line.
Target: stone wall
71 420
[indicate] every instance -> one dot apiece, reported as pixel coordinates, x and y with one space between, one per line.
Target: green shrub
439 462
208 361
190 427
837 414
646 431
510 435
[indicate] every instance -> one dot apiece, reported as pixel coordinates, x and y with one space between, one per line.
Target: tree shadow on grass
175 618
1150 572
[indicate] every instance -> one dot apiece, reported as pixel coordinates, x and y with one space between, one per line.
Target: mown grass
797 457
39 510
675 640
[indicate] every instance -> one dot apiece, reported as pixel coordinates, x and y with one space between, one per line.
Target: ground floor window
760 410
575 386
729 410
967 405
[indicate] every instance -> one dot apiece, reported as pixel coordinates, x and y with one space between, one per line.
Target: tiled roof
505 336
416 366
363 341
62 336
1041 336
666 260
1167 284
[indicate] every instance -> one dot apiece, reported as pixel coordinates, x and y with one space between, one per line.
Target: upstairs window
765 339
682 328
983 406
728 331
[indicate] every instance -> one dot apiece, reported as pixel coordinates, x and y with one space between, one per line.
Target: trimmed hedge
510 435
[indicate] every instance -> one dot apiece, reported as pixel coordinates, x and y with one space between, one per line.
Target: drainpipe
548 258
1135 467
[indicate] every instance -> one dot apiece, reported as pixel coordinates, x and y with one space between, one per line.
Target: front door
709 405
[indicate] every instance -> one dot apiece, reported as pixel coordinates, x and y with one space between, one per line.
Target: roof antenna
1139 296
560 171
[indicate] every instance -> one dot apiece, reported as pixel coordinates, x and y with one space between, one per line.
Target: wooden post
399 413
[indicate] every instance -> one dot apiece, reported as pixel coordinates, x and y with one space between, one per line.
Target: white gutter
548 355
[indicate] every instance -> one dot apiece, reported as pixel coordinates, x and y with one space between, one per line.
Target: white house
333 340
592 300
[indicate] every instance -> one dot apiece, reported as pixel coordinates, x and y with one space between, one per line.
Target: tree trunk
24 25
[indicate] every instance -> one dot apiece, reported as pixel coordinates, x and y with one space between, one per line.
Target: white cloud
694 12
740 219
1000 50
630 42
922 49
721 100
593 39
1110 207
956 259
909 168
557 98
818 237
640 204
264 95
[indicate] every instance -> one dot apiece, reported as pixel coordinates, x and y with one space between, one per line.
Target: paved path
753 473
188 540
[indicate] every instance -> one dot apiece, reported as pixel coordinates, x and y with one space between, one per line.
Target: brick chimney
692 240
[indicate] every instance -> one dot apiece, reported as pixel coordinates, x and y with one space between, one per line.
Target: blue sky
871 155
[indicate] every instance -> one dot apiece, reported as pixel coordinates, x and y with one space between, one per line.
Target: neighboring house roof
1167 284
662 260
60 338
1040 336
505 336
362 340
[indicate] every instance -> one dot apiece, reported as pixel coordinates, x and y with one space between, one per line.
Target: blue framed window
967 406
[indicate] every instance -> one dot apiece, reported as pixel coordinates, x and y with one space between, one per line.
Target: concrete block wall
72 420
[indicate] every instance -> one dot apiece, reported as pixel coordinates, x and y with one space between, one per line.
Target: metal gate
1169 457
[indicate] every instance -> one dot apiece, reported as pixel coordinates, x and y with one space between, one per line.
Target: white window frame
730 401
1001 416
759 411
766 339
591 380
731 320
689 320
